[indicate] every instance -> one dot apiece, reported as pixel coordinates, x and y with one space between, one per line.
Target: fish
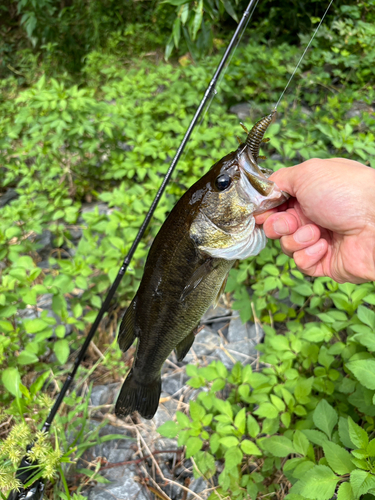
210 227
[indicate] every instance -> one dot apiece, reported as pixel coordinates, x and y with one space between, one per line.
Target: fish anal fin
183 347
127 334
136 396
221 291
198 276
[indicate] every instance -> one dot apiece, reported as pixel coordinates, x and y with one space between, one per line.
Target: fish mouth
263 193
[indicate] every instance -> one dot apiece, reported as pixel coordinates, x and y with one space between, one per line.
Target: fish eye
222 182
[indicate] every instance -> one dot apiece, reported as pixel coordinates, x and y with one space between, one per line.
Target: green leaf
81 282
370 449
60 331
252 426
301 443
224 407
344 433
358 436
26 262
364 371
325 417
229 8
229 441
61 350
27 358
314 334
175 2
315 437
197 19
278 446
6 326
361 481
338 458
250 448
267 410
197 412
214 442
34 325
193 445
286 419
233 457
303 389
11 380
319 483
176 31
183 419
345 492
169 429
240 420
367 316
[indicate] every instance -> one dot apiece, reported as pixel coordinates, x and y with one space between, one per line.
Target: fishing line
303 55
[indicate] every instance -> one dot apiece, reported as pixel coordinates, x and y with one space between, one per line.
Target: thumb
286 179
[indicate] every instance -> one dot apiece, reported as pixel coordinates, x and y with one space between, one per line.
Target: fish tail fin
134 396
126 334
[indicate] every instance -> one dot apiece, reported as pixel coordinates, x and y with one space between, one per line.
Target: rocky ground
146 465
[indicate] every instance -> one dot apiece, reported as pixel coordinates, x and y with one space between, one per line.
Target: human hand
328 226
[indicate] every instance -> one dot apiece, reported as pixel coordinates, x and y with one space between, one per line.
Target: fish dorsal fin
183 347
198 276
127 334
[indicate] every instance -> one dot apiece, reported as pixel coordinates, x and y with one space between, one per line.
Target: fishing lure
210 227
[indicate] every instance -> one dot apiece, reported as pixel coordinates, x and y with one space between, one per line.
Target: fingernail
314 249
304 234
280 226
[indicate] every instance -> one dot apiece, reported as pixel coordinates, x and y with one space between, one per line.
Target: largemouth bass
210 227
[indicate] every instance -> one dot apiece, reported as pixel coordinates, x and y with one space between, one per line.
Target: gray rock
172 490
166 444
214 314
238 331
276 157
306 111
197 485
115 450
44 264
45 303
124 146
90 207
123 486
206 342
7 197
44 243
166 410
357 109
242 110
104 394
174 383
75 233
242 339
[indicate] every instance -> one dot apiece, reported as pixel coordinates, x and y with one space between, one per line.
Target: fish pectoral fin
198 276
183 347
221 291
127 335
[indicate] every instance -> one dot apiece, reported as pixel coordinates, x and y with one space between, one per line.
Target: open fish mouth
255 186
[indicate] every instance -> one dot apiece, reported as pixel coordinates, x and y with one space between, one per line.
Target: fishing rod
27 469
